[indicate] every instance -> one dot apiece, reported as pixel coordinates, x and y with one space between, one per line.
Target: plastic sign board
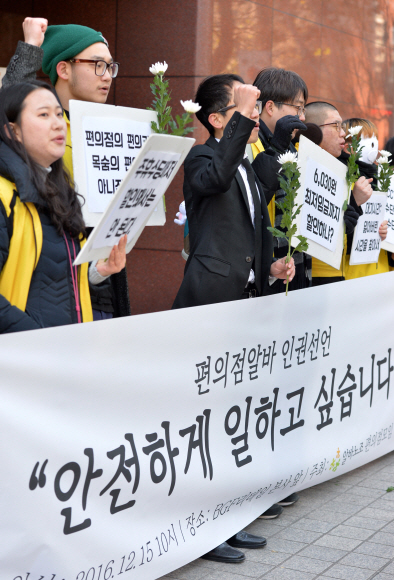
105 141
322 193
366 240
138 195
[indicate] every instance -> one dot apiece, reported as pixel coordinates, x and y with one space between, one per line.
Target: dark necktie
257 222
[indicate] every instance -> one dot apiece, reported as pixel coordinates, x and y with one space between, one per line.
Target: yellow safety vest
25 250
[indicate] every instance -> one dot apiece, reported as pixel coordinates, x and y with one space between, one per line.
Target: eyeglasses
258 106
100 66
300 108
338 125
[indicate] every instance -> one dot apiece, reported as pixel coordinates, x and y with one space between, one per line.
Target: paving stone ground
341 529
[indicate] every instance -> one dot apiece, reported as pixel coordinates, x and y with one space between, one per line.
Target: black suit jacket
222 236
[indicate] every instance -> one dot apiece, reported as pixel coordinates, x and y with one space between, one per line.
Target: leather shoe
245 540
289 500
273 512
225 553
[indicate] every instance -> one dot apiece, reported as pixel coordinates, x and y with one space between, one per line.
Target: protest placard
154 168
125 448
322 193
388 243
105 141
366 240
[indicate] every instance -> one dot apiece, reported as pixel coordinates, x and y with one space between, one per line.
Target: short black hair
316 111
390 148
213 94
279 85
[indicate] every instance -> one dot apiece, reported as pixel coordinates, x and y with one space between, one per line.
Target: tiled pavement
343 528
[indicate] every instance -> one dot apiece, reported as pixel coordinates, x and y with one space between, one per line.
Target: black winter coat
51 299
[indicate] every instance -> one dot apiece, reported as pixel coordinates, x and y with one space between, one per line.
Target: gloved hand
283 132
181 215
350 217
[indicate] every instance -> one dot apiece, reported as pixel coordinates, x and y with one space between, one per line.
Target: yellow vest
257 148
24 253
68 157
362 270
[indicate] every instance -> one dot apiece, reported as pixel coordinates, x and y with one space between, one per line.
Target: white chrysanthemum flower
382 159
385 153
353 131
159 68
287 157
190 107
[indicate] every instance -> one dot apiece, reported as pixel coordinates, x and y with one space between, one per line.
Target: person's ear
16 131
216 120
63 70
269 108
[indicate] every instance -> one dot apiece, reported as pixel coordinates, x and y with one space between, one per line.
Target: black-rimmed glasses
100 66
300 108
258 106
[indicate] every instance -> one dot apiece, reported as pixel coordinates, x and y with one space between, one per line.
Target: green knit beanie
64 41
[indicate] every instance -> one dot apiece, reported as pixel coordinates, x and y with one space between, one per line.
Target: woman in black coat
41 223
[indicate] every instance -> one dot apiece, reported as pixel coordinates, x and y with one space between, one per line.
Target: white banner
137 196
106 139
388 243
322 193
138 444
366 240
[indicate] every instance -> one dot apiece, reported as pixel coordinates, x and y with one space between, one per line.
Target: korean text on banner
322 193
388 243
141 190
366 239
126 448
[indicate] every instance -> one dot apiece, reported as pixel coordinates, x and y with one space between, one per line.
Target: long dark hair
56 188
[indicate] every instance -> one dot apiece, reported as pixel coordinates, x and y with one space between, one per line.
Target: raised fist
34 30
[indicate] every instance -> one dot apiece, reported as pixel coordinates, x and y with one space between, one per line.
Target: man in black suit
230 247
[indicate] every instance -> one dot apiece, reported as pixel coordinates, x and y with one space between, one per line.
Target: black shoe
289 500
245 540
273 512
225 553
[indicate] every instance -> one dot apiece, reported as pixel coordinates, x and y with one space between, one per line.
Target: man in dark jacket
230 246
74 78
283 95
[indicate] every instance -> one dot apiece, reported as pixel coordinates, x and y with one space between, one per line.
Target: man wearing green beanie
76 59
78 62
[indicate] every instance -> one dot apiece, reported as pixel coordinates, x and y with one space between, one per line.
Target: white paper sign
145 186
322 193
111 146
137 196
366 239
323 200
388 243
126 450
105 140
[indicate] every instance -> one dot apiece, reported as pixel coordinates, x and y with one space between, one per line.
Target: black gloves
283 132
350 217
